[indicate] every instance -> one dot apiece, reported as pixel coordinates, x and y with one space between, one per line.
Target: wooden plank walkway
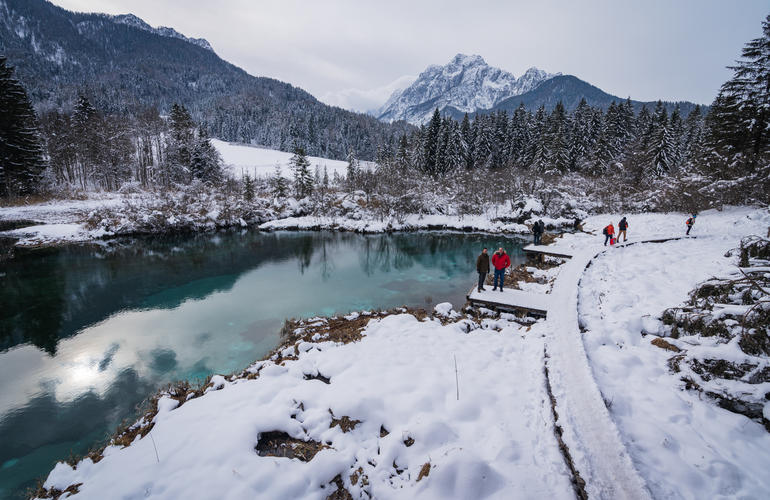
537 304
511 300
553 251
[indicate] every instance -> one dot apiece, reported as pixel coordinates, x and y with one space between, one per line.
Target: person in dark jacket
501 261
690 222
538 230
622 226
482 267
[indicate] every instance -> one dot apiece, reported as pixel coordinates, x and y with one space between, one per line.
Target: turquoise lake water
88 332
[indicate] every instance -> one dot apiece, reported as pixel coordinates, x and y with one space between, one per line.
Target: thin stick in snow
155 448
457 379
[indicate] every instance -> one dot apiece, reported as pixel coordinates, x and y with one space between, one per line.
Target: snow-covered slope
243 159
132 20
466 83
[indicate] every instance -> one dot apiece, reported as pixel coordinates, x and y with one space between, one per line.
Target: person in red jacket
609 233
501 261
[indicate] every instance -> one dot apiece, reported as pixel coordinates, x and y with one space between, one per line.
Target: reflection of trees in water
55 293
449 252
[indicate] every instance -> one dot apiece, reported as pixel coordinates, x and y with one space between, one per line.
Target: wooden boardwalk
553 251
537 304
511 300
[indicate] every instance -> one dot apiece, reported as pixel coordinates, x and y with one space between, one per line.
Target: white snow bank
682 443
242 159
410 222
496 441
45 234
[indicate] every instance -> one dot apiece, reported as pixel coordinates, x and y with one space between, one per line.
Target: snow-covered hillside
243 159
466 83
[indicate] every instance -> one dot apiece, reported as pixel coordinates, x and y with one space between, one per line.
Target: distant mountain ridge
125 66
467 83
132 20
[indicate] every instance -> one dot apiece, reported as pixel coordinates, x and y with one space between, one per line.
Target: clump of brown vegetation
280 444
54 493
346 423
735 307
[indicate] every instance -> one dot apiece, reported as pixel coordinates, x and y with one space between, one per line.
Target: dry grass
659 342
424 471
341 493
346 423
41 492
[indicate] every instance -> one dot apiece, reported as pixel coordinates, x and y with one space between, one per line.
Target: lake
87 332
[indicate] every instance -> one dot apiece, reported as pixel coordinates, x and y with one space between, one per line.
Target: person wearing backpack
538 230
609 233
501 261
690 222
622 226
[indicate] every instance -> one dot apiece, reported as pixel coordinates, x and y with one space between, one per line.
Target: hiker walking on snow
538 229
501 261
690 222
622 226
482 267
609 233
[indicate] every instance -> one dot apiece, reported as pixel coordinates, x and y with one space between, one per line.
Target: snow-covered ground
682 443
240 159
495 441
632 429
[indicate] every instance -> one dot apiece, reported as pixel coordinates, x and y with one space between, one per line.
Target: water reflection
86 333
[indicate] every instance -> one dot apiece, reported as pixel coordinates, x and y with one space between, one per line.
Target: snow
682 443
45 234
466 83
61 211
511 297
242 159
496 441
410 222
631 429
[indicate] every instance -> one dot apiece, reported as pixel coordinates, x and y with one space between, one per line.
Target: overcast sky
353 53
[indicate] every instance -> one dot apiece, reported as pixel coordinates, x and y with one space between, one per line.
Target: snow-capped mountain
132 20
466 83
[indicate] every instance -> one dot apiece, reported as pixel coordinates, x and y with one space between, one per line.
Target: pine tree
580 135
248 188
469 139
520 135
205 161
431 144
661 147
482 149
303 179
180 144
278 183
352 170
21 152
556 141
746 100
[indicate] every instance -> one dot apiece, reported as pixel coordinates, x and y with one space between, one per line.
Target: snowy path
595 445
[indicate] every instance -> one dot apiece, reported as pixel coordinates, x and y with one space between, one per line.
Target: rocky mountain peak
466 83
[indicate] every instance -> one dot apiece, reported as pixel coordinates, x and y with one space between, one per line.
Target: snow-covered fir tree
303 179
21 152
